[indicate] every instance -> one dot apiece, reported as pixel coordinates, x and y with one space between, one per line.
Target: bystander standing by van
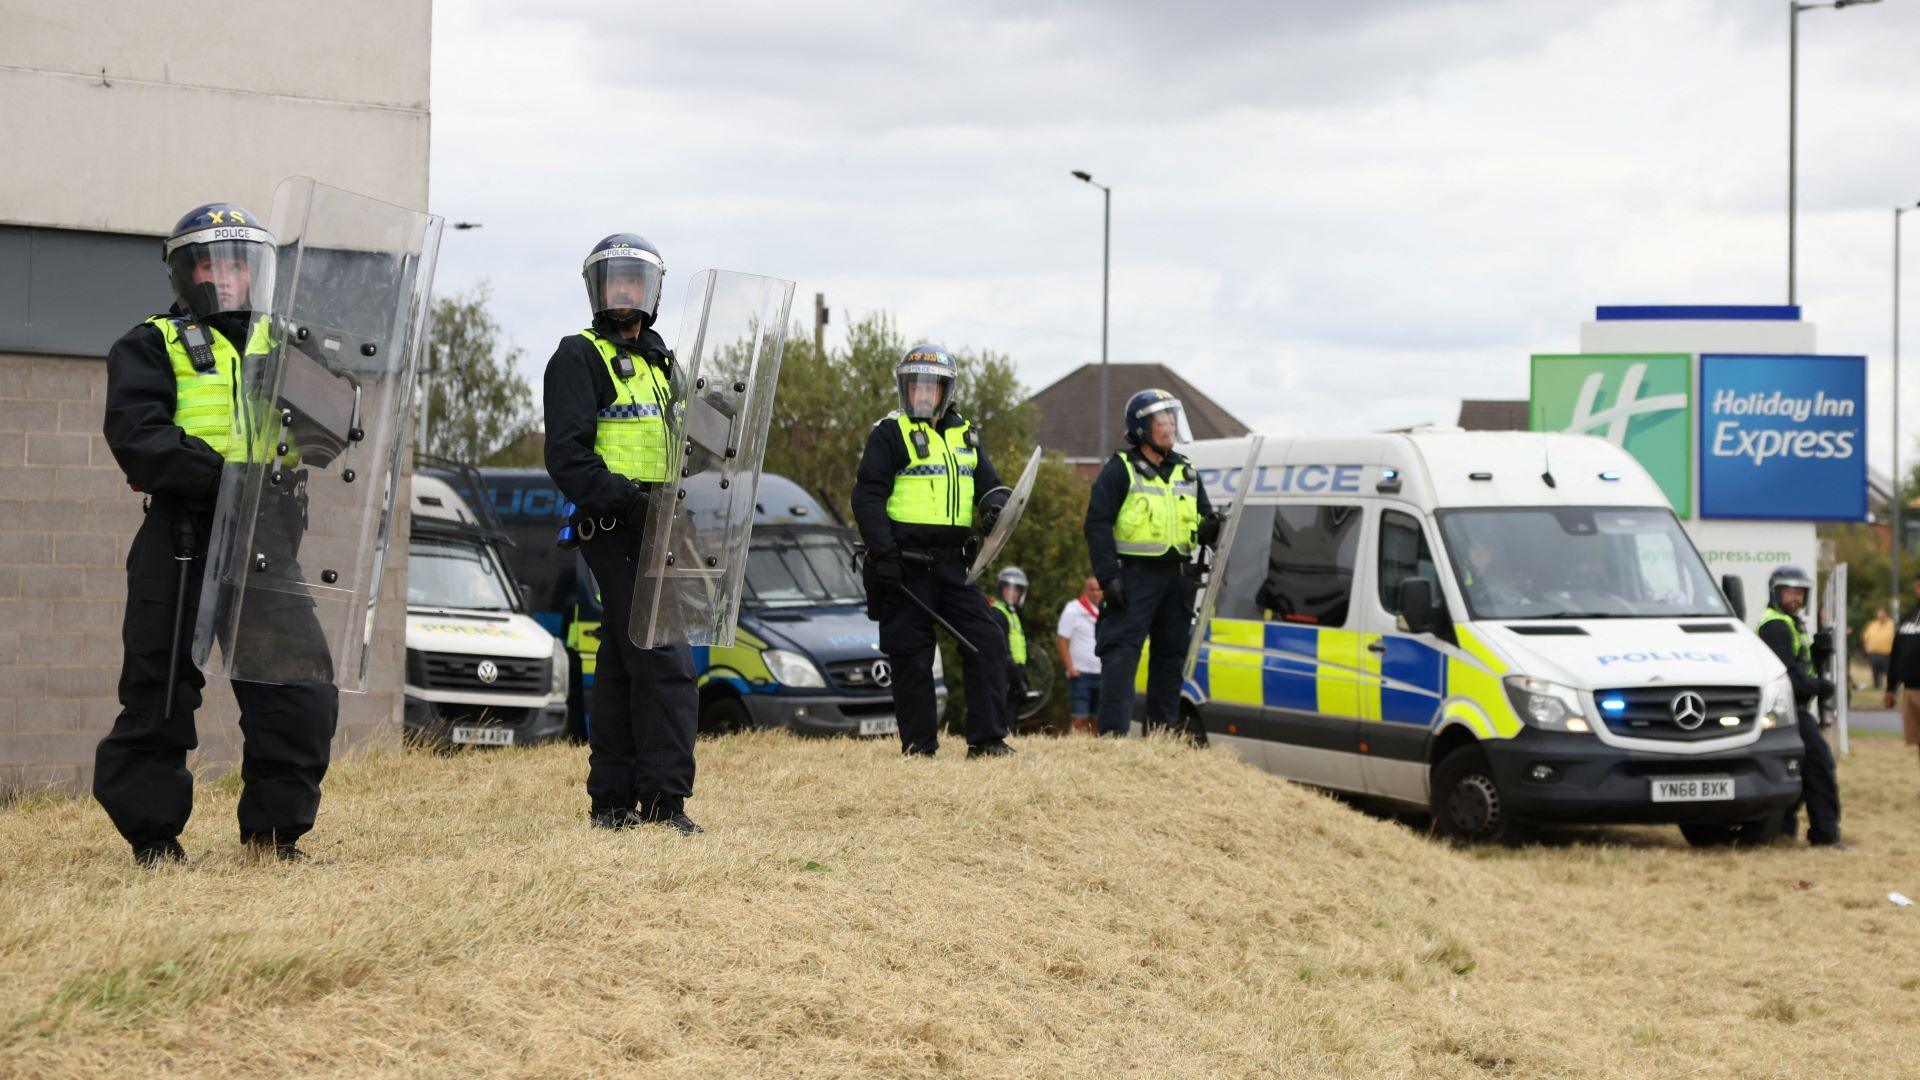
1903 672
1075 640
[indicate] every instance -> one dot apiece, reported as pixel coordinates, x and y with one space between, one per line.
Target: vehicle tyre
1468 805
1756 833
724 714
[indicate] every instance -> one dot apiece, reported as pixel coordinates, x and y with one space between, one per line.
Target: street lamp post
1899 503
1794 8
1106 268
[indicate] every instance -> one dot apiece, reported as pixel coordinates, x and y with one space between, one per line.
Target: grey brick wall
66 516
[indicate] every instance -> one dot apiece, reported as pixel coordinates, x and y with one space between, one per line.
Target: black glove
1822 648
635 515
1115 595
1826 688
1210 528
987 514
886 569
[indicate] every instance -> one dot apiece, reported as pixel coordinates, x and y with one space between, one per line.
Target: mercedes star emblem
488 671
882 673
1689 710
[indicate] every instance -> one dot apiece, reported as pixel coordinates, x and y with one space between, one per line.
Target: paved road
1874 720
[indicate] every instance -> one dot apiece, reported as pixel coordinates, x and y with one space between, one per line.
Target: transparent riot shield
693 552
306 504
1009 517
1217 567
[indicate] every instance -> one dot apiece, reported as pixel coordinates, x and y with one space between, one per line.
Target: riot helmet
1788 577
624 274
220 260
926 376
1012 579
1145 410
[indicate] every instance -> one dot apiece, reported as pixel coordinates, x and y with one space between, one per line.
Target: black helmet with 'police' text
220 261
624 275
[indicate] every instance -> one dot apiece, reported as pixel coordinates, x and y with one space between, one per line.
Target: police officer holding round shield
924 485
609 390
1146 515
172 386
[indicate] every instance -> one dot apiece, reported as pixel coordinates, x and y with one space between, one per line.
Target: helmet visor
1014 593
621 281
924 390
1165 423
213 277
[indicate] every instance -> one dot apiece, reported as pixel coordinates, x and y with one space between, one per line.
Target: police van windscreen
459 574
1577 562
801 568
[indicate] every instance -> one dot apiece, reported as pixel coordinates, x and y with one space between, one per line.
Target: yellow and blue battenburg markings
1332 672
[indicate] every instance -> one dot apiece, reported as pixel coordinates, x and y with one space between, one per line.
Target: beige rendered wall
119 117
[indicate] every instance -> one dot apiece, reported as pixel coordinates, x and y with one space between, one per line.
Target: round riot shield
1009 518
314 452
693 550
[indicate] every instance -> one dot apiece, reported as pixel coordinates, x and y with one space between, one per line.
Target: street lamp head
1087 176
1838 4
466 225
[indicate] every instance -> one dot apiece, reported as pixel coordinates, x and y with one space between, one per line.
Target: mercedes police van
805 656
479 670
1502 628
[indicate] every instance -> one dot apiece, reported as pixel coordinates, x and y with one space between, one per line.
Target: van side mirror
1735 591
526 596
1416 604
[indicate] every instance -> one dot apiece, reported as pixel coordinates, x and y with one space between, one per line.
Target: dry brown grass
1084 908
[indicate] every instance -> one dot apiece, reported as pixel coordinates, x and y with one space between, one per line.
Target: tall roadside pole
1899 499
819 324
1794 8
1106 272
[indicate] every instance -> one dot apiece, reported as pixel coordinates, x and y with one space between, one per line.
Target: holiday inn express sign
1642 404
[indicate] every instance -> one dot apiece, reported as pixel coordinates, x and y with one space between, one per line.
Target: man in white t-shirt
1077 621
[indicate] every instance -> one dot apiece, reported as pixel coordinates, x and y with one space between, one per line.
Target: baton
959 639
184 554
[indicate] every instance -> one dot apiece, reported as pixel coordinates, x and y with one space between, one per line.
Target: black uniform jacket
157 455
1780 640
1103 509
887 453
1903 667
577 388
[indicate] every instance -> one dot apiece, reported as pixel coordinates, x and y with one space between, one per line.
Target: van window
801 567
1577 562
1311 554
1403 554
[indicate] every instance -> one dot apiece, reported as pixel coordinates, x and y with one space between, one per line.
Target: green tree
477 405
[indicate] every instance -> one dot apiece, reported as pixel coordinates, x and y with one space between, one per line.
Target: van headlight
1548 706
792 669
1776 704
558 670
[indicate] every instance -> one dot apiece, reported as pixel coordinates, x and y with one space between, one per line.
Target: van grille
1649 711
455 671
857 675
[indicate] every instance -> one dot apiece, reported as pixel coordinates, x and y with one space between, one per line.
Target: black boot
160 854
620 818
992 749
679 821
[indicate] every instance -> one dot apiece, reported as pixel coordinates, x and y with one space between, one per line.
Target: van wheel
1468 806
724 715
1733 833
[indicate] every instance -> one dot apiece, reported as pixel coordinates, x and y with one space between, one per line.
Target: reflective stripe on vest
1802 648
1016 634
1160 515
203 401
630 435
936 489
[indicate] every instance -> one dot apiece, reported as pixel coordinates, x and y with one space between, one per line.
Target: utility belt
579 528
1162 566
934 556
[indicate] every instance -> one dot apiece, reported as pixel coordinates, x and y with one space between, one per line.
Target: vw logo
488 671
882 673
1689 710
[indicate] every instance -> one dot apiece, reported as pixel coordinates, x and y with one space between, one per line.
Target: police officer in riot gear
1010 595
609 390
924 485
1145 517
172 385
1787 590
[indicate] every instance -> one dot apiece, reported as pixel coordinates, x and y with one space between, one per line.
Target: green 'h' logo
1643 404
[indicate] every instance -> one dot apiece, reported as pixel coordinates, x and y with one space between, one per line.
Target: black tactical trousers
1819 787
644 709
1159 608
140 769
907 637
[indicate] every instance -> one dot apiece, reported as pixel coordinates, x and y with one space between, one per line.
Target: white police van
1502 628
480 671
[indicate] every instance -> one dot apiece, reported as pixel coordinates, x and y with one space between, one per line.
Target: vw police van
805 656
1502 628
479 670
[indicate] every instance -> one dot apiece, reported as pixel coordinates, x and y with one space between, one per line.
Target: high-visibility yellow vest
630 435
204 401
1160 515
1802 648
936 489
1016 634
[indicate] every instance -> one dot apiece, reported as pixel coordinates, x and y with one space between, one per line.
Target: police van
805 656
1500 628
479 671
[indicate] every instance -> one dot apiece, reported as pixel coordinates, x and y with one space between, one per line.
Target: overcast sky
1328 216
